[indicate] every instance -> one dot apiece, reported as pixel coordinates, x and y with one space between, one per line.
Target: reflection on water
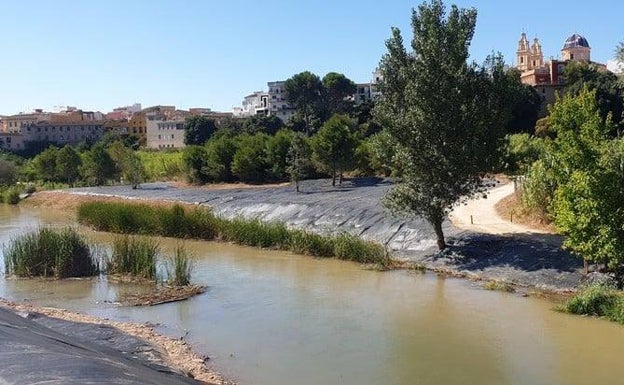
274 318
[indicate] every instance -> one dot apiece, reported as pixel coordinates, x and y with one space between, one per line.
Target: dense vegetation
49 252
199 223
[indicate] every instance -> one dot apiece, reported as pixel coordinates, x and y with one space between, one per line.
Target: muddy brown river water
272 318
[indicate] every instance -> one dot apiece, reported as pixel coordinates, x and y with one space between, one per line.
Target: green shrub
597 300
49 252
135 256
11 196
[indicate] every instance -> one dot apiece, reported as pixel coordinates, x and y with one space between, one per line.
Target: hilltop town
161 126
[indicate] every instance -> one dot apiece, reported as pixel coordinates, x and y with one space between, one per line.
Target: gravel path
479 214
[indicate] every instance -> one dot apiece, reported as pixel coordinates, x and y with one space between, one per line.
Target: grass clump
10 195
48 252
596 300
135 256
179 268
198 223
349 247
499 286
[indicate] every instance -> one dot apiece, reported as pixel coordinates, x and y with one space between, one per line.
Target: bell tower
536 59
523 54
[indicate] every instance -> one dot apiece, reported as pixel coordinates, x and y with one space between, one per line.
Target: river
272 318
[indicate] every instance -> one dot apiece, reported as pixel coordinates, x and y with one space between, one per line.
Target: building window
171 136
521 59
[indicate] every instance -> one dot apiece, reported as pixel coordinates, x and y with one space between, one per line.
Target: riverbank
515 255
156 353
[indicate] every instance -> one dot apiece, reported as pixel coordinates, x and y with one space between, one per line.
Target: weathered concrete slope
526 259
31 352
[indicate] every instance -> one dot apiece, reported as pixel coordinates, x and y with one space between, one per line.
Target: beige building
163 134
547 77
12 141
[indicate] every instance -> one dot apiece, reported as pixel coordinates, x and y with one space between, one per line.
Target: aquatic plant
179 267
200 223
350 247
49 252
135 256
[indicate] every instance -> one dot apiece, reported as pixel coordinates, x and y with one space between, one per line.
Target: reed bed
179 268
135 256
200 223
49 252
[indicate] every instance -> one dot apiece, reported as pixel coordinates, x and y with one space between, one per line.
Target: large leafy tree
445 114
337 90
220 152
525 103
304 91
68 164
276 153
249 162
97 166
587 168
334 145
609 92
298 159
128 163
198 129
44 164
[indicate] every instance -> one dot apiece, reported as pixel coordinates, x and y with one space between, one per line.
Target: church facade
547 76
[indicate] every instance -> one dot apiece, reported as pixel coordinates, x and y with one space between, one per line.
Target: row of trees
92 166
338 146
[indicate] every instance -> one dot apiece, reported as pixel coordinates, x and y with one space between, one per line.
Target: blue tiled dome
576 41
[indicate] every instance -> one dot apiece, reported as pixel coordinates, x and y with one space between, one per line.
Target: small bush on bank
596 300
10 195
49 252
135 256
202 224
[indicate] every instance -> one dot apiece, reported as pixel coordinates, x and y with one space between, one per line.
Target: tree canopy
304 92
609 92
588 171
198 129
334 145
446 116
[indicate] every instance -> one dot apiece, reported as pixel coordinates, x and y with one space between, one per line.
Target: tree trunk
340 178
437 226
297 185
334 178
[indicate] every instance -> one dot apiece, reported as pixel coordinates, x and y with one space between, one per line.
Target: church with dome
546 77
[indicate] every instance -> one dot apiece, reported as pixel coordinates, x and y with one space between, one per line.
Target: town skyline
213 55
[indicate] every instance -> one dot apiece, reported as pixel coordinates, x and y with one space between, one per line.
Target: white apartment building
278 104
161 134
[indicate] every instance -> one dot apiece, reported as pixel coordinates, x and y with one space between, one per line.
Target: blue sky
193 53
